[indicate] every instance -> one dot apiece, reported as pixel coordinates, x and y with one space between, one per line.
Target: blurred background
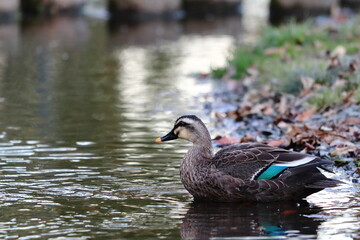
85 88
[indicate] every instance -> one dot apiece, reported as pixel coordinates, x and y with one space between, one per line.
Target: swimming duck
244 172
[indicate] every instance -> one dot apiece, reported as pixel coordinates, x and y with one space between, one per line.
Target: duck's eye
183 124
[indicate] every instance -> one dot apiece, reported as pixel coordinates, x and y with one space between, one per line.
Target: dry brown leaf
348 96
244 111
340 82
357 136
329 113
343 75
353 66
257 108
276 142
295 130
219 115
234 115
329 138
283 125
334 63
267 110
283 105
306 115
309 146
318 44
247 138
252 71
340 143
351 121
305 93
341 151
226 140
307 82
275 51
338 51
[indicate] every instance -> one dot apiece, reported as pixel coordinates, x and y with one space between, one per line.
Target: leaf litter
258 113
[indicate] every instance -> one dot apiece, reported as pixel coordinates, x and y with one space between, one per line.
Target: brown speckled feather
247 161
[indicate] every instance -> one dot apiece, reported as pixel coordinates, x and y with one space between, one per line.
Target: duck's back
246 161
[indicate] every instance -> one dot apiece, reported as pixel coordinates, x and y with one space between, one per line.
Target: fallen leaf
348 96
328 138
343 74
353 66
247 138
268 110
338 51
275 51
318 44
307 82
283 105
351 121
276 142
342 143
234 115
309 146
223 141
306 115
252 71
357 135
339 83
334 63
257 108
219 115
341 151
244 111
283 125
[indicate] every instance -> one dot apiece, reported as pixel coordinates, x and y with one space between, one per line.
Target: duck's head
188 127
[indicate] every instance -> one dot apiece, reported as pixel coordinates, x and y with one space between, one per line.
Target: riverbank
298 87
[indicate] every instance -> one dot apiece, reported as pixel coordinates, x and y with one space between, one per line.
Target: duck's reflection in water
206 220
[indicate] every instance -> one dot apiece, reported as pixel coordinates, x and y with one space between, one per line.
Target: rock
148 6
50 7
8 10
143 10
211 8
9 5
307 4
354 5
300 9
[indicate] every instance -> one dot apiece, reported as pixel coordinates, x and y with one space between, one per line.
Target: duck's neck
200 153
194 167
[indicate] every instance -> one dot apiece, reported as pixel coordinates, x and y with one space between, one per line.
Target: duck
245 172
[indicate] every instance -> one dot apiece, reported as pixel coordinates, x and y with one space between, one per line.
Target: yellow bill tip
158 140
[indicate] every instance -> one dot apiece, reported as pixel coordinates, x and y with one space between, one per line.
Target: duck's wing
243 161
259 161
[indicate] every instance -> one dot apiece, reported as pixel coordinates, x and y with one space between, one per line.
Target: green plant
326 97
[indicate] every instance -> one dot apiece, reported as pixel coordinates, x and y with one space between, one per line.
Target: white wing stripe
256 173
296 163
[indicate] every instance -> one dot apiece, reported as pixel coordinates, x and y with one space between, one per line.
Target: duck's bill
170 136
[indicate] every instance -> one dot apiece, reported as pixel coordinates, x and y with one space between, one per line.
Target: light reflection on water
78 119
341 209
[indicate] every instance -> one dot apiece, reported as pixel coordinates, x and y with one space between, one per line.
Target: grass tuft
285 54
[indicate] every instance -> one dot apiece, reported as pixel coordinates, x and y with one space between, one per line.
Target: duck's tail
324 183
